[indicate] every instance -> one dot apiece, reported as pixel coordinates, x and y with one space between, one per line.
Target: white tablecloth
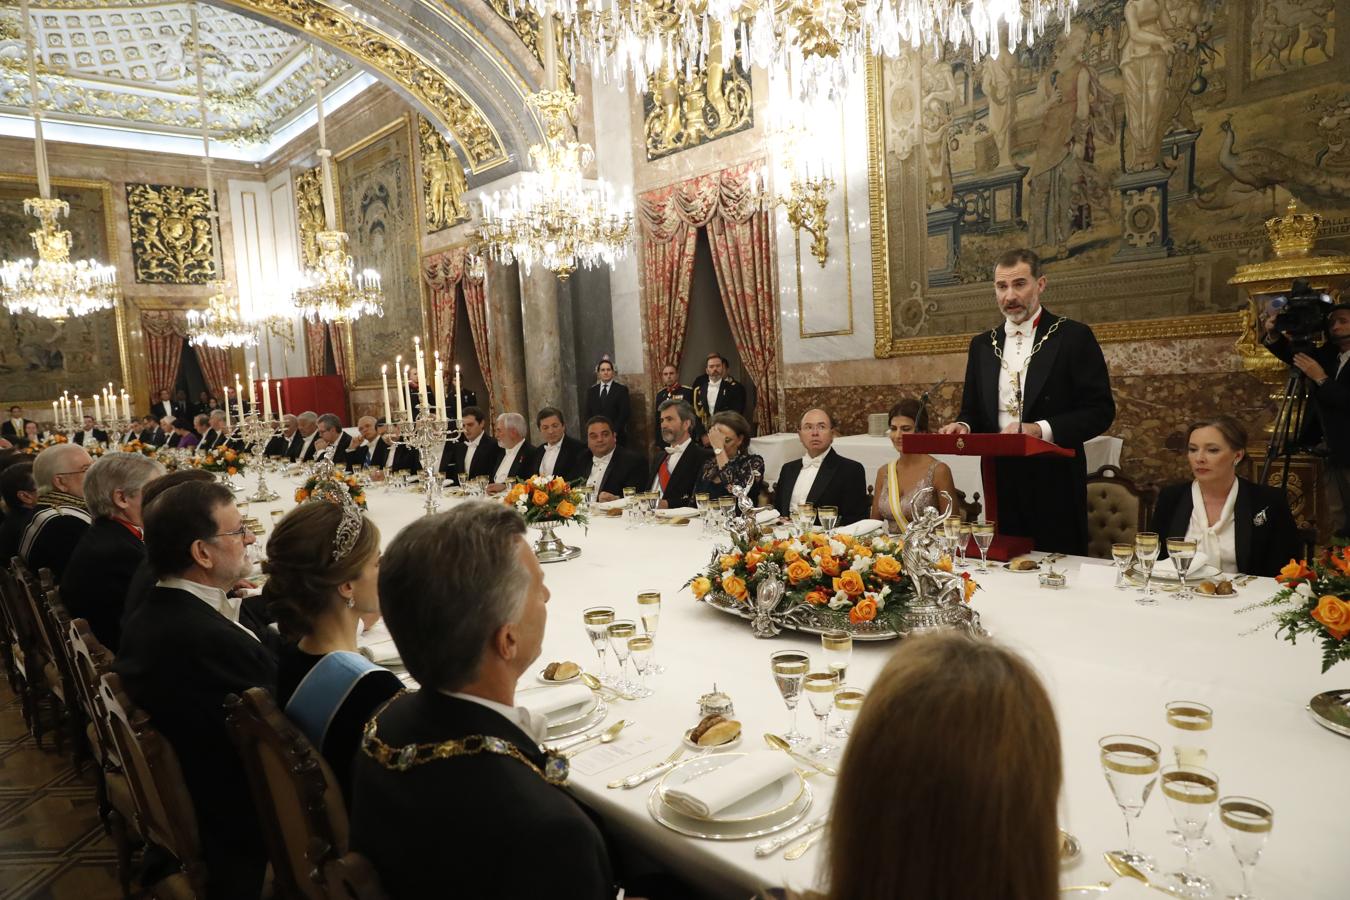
1109 664
875 452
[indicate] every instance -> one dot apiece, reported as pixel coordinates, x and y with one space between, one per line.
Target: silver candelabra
255 431
427 434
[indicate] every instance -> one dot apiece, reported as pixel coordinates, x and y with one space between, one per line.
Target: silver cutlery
773 845
568 743
797 851
648 773
604 737
779 743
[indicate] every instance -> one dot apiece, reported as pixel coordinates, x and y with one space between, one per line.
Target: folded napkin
611 504
1168 569
679 512
551 700
765 516
1130 889
708 794
861 527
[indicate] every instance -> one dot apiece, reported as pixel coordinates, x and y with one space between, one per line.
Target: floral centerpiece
1313 600
354 487
136 445
224 461
546 503
50 440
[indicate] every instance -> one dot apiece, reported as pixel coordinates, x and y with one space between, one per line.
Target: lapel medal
1260 518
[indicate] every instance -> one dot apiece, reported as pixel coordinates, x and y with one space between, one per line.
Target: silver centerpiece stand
255 431
427 434
938 603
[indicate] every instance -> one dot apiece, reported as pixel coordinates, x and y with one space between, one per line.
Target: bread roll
723 732
561 671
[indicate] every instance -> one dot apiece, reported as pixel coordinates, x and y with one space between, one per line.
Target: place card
600 759
1093 575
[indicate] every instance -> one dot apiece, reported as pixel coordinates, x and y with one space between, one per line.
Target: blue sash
323 691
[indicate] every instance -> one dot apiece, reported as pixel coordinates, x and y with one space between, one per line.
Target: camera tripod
1288 426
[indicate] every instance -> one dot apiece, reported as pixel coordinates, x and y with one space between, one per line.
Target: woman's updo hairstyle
302 576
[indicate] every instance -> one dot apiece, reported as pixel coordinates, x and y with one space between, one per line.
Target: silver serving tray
876 630
1330 710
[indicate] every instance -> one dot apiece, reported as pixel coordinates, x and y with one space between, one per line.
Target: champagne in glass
1189 724
1146 552
951 530
829 517
641 649
806 517
702 502
1181 552
1248 823
1192 793
820 688
1122 555
649 609
847 702
963 542
789 670
1131 767
597 620
984 536
619 633
838 647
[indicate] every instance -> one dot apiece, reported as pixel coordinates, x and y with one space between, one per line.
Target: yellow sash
893 485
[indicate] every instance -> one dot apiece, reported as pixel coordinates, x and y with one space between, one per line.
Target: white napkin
611 504
1168 569
550 700
679 512
1130 889
765 516
861 527
708 794
378 644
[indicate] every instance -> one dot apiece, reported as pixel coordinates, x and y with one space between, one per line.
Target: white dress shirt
470 448
1218 541
304 445
1017 346
598 466
714 388
550 459
806 479
673 455
508 460
516 715
215 598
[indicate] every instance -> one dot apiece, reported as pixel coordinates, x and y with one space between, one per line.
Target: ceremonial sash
893 485
323 691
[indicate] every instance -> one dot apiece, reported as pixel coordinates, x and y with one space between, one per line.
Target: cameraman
1329 376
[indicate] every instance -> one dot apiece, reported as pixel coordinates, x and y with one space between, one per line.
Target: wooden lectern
989 447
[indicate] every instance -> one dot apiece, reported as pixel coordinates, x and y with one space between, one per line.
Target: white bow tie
812 463
671 451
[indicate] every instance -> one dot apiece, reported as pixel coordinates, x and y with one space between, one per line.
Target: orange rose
886 567
230 455
566 509
819 540
700 586
944 563
231 470
1342 562
557 484
735 587
799 571
829 565
539 498
817 598
1295 572
850 583
862 550
729 561
753 558
865 610
1334 614
359 499
970 586
791 556
846 540
301 495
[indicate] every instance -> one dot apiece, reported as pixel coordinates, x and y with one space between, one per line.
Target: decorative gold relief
526 26
443 184
685 112
421 80
309 217
171 234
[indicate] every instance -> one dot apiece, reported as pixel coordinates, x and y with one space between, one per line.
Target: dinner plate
571 714
539 676
734 742
1169 576
560 730
725 831
771 801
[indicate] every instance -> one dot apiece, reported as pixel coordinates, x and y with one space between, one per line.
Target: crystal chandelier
333 291
220 324
823 41
54 287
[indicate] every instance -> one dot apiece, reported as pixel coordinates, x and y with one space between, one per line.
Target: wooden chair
352 877
1117 510
164 811
44 676
18 638
56 621
116 807
304 818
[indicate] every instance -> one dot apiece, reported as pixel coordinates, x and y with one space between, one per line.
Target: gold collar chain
401 759
998 351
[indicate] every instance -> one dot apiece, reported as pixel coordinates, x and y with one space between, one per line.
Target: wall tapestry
171 239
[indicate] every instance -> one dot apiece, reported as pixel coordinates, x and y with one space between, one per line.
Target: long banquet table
1109 664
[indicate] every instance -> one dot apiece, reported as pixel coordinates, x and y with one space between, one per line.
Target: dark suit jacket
210 439
293 448
50 539
730 398
7 429
179 659
1330 400
161 408
485 459
100 436
1261 549
276 446
11 532
571 456
406 459
615 406
399 820
626 469
680 490
1067 385
99 575
356 455
523 466
344 443
841 482
303 453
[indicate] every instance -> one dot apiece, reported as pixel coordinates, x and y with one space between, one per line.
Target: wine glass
1130 764
1189 723
701 501
641 649
1192 793
829 517
847 702
649 610
598 619
951 530
1122 555
820 688
806 517
619 632
1146 552
1248 823
1181 552
838 647
789 670
963 542
984 536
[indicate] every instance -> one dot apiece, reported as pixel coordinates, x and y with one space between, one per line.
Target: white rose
1304 590
837 548
840 600
861 564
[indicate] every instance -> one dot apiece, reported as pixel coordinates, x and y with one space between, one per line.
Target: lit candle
459 399
384 378
79 410
56 413
252 400
267 398
407 389
238 396
227 406
280 412
421 372
440 387
98 409
126 405
398 381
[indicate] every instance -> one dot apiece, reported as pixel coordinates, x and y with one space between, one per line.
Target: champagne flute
1146 551
1181 552
951 530
838 647
829 517
1122 555
619 633
597 619
984 536
1130 764
847 701
1192 793
963 542
789 670
820 688
701 501
806 517
1189 723
649 610
1248 822
641 649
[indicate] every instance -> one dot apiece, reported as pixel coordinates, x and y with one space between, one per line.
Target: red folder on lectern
989 447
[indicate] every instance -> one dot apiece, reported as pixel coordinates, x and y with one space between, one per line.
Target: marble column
508 350
541 326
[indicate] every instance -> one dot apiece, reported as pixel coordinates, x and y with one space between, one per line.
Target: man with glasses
183 650
61 517
822 477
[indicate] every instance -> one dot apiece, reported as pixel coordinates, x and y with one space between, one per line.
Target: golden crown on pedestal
1293 234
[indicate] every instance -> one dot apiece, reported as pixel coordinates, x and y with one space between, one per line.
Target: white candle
98 409
280 412
56 414
252 400
440 388
384 378
267 398
126 404
421 372
459 399
407 390
398 382
227 406
79 409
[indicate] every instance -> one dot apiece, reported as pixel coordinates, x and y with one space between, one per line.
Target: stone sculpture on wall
171 240
309 216
443 184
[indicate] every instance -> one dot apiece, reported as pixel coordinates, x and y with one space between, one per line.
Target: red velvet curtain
475 305
314 355
164 332
668 227
444 272
215 363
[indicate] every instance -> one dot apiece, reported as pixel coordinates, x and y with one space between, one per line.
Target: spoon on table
1123 868
605 737
595 684
797 851
779 743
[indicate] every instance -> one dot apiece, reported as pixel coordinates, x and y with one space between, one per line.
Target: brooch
1260 518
